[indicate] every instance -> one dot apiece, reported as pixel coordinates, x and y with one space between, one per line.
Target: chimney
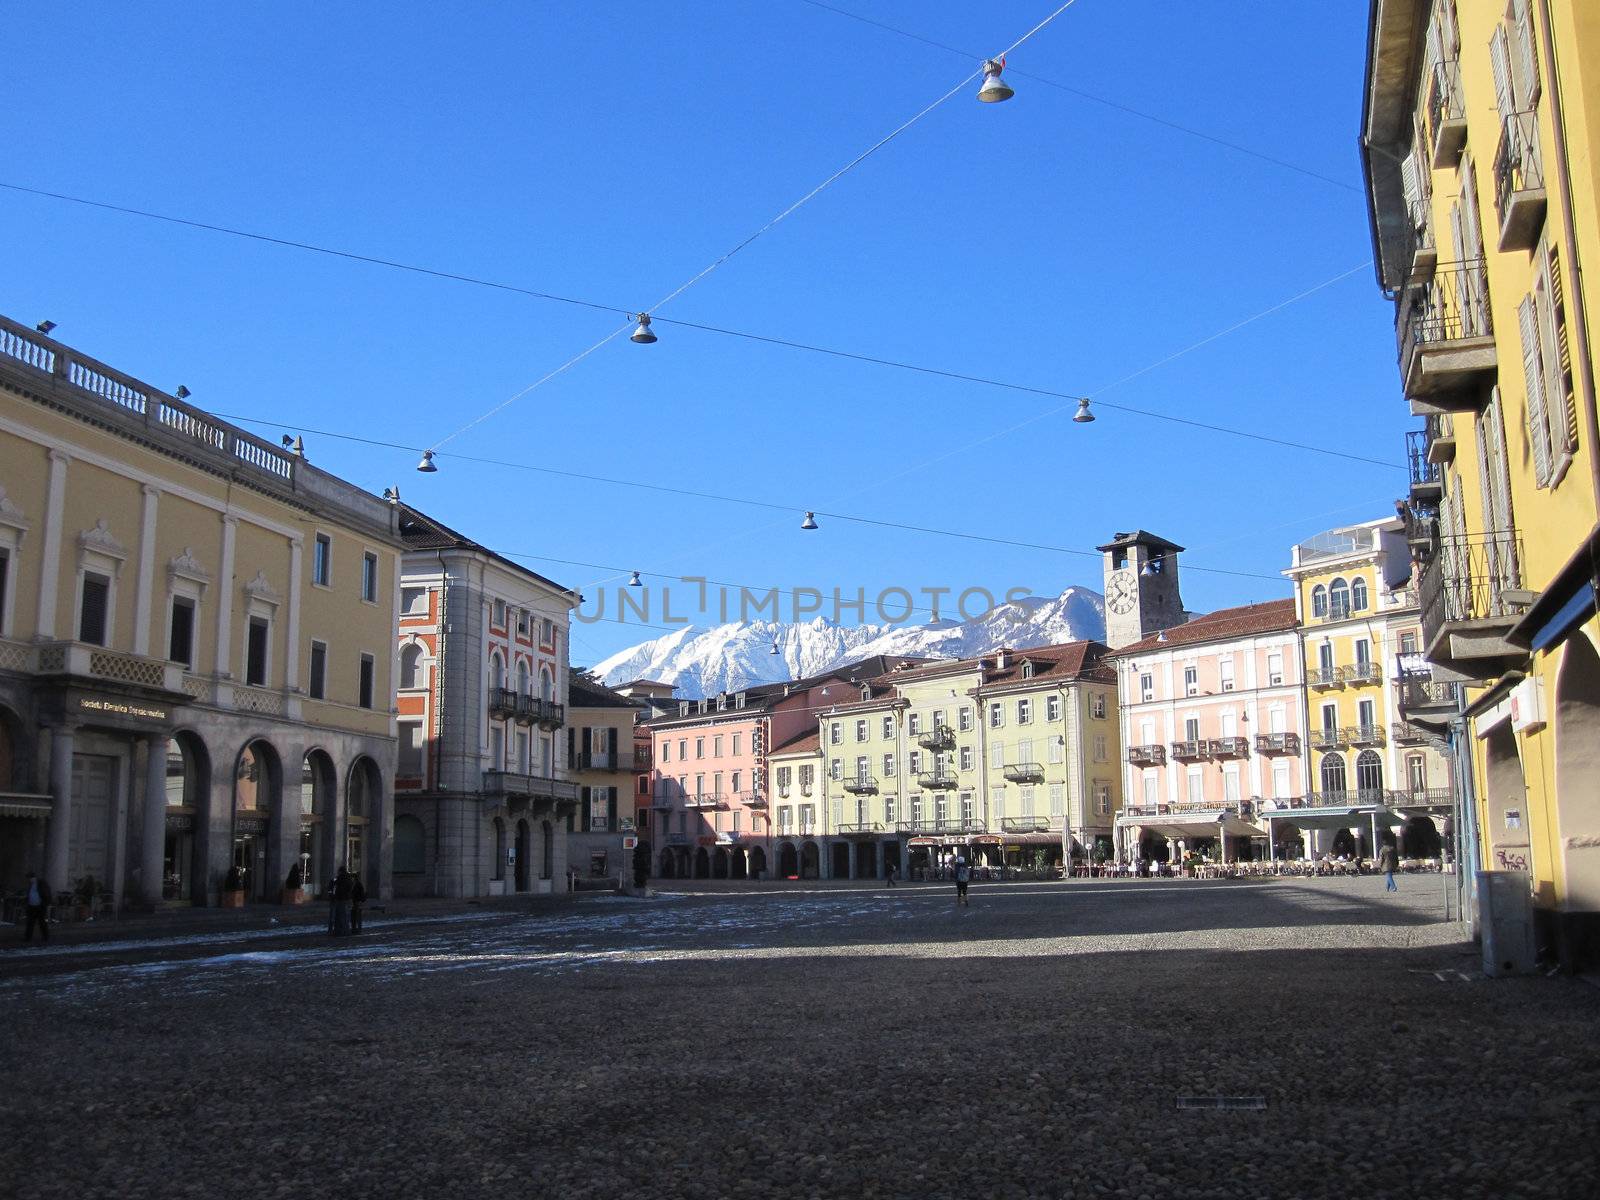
1001 657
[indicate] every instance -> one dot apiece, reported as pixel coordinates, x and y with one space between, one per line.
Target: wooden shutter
1527 56
1500 61
1533 375
1563 399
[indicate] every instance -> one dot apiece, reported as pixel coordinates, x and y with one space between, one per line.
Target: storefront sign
180 822
102 706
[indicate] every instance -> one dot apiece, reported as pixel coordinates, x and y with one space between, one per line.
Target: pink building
1213 728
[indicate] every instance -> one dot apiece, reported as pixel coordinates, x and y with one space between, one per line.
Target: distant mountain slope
703 662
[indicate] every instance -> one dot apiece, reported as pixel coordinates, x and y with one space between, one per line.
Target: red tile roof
1269 616
801 743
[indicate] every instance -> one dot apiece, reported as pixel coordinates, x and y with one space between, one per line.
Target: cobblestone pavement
812 1042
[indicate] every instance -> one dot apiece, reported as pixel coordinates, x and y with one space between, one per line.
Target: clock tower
1141 578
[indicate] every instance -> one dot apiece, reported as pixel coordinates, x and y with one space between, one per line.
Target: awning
1032 839
1195 827
25 805
1565 603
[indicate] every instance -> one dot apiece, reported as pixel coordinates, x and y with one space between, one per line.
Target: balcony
598 760
1446 340
546 714
1519 191
1435 798
1324 677
936 781
1191 751
859 828
1025 824
515 790
1364 735
1365 798
1424 700
1229 747
750 799
1277 743
502 703
1441 431
1404 733
1326 739
1427 480
644 758
1421 252
1361 672
861 785
1471 598
705 800
1027 772
1147 756
940 737
1447 114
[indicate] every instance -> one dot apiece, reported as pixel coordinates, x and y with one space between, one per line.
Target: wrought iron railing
1467 579
1025 772
1446 107
1326 739
1518 166
860 785
1453 305
1423 472
940 737
1185 750
1277 743
1147 756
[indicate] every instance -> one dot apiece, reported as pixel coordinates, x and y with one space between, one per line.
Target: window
835 768
369 577
835 734
785 818
1275 668
317 685
1358 595
1338 600
1025 801
1365 715
1057 793
735 782
1225 673
1052 708
916 762
808 775
997 755
964 719
1332 773
1330 718
888 766
1319 601
1191 729
5 576
785 775
180 633
997 716
888 728
255 653
1408 643
1097 706
1024 711
699 747
94 609
716 746
524 622
1058 749
997 804
914 724
364 682
1363 651
547 632
889 811
683 749
862 770
1197 786
410 765
1147 687
1100 747
938 718
666 750
861 731
498 617
1191 681
1280 780
966 758
414 601
411 666
322 560
1102 799
736 745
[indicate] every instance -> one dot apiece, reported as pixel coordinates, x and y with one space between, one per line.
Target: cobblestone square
812 1042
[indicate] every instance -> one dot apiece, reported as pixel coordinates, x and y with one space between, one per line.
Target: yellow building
1360 626
196 648
1481 138
796 770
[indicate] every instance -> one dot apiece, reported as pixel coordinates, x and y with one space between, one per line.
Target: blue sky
609 152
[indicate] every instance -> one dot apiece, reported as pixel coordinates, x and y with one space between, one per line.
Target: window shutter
1500 61
1527 57
1533 374
1413 190
1564 397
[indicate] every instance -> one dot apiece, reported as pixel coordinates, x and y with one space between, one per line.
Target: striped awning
25 804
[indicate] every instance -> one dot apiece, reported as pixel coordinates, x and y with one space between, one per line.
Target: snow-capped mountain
703 662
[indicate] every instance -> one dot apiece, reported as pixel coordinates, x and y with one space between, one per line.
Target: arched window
1358 595
497 670
547 685
1338 599
1319 601
1333 779
1369 772
411 666
410 857
522 679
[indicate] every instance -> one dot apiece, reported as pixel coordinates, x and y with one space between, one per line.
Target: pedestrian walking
1386 864
38 909
889 873
963 877
341 902
358 902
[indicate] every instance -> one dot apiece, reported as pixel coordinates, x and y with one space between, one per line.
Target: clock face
1122 592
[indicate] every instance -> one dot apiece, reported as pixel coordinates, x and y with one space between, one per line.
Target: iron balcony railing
704 800
597 760
1027 772
1228 747
1468 579
1404 733
1452 306
1425 473
1414 691
1147 756
1025 824
1361 672
516 785
936 780
1518 166
546 713
1339 799
861 785
940 737
1440 429
859 827
1417 797
1188 751
1447 112
1277 743
643 758
750 799
502 702
1326 739
1323 676
1364 735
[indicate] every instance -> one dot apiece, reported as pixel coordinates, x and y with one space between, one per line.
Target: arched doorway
524 856
702 864
1505 803
810 861
1419 838
1369 777
736 864
1577 722
719 864
318 821
839 860
364 822
183 875
788 861
668 866
257 796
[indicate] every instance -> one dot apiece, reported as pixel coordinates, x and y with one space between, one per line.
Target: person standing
358 902
341 902
889 874
38 906
1386 864
963 877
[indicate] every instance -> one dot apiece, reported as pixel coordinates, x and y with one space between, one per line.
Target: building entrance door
94 783
250 857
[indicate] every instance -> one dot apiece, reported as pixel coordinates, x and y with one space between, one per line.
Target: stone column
153 850
59 831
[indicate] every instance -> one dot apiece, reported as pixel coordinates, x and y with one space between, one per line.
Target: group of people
347 899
